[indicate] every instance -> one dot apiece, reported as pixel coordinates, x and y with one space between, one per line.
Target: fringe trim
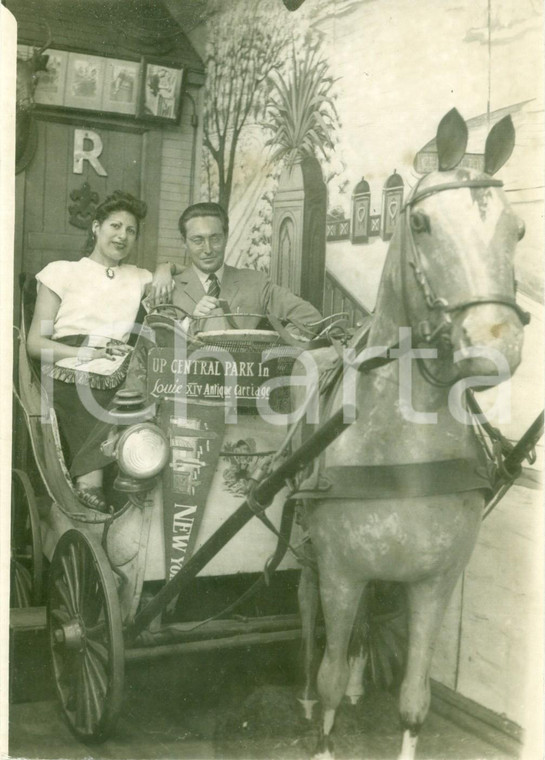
74 376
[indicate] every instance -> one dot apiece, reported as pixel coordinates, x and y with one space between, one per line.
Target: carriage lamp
142 452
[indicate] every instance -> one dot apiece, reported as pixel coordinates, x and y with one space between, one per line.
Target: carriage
398 499
167 569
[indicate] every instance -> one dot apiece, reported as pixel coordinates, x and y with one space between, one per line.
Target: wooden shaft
229 642
263 495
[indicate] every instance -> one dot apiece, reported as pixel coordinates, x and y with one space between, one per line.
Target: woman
85 310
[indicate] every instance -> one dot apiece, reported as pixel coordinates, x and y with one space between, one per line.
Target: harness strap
398 480
524 316
288 338
271 565
433 189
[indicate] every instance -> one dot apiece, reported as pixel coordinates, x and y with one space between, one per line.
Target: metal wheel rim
26 544
85 636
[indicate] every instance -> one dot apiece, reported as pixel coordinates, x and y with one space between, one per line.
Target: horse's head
458 242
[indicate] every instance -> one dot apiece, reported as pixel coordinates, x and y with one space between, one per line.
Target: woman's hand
162 285
109 351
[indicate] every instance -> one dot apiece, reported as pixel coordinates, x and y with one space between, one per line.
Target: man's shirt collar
203 276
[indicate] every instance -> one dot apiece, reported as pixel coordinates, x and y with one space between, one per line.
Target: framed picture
84 81
161 92
52 81
121 80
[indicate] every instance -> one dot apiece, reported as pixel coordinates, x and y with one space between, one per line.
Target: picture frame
51 85
121 86
160 91
84 81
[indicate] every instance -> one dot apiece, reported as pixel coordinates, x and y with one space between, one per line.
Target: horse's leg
340 598
427 602
307 594
357 655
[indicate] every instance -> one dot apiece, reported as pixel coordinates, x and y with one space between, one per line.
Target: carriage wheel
26 545
85 636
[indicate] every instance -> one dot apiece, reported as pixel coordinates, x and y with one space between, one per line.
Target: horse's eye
521 229
420 222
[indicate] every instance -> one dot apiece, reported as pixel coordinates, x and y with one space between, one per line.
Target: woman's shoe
93 498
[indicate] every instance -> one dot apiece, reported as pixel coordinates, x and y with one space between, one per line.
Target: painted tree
245 45
301 110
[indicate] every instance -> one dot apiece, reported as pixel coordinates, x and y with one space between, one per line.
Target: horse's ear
451 140
499 145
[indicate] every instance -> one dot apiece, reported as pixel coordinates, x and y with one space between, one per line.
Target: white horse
406 487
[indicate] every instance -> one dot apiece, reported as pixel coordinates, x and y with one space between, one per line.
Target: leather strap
398 480
484 182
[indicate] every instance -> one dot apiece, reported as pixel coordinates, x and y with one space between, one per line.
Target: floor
234 705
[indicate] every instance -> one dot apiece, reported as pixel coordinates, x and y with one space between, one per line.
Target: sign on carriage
214 375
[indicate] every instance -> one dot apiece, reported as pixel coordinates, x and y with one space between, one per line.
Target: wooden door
129 161
48 233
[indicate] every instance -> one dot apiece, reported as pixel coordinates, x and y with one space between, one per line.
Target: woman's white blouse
91 302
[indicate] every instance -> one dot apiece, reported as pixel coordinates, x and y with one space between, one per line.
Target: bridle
437 328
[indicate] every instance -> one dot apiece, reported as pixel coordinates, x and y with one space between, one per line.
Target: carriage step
27 619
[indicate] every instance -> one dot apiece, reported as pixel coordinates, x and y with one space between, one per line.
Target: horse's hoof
324 750
307 705
354 699
408 748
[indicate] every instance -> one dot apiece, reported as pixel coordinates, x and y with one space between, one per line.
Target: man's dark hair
203 209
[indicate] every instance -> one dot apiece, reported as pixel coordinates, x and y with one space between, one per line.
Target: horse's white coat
423 542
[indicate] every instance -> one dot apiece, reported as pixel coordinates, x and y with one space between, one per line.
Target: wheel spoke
93 598
78 700
22 587
76 572
83 594
67 676
99 631
84 574
70 583
97 672
60 615
83 717
62 590
99 651
96 689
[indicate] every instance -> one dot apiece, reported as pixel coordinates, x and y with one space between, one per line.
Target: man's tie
213 286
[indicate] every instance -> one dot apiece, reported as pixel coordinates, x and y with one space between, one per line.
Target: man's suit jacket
246 291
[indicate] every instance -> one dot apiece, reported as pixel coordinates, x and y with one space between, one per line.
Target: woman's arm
162 285
41 328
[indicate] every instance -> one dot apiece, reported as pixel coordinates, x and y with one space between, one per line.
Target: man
209 287
204 291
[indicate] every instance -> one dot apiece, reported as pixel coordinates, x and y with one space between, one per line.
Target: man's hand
206 306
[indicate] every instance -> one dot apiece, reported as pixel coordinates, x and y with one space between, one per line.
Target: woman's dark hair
203 209
117 201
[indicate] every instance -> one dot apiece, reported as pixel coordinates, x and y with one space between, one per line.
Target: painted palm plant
301 110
